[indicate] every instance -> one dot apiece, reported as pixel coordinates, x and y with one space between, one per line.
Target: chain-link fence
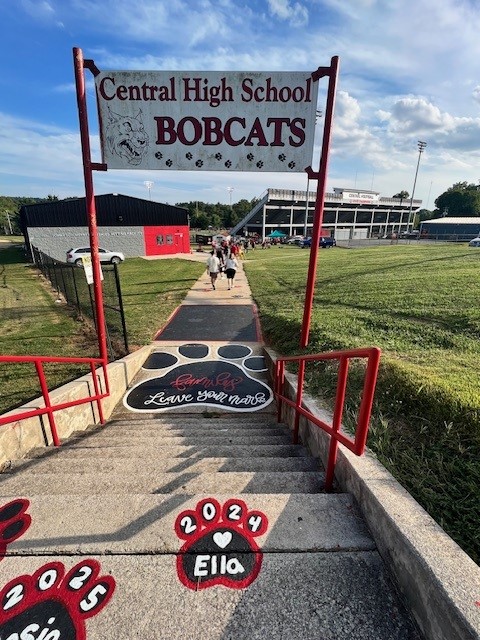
71 282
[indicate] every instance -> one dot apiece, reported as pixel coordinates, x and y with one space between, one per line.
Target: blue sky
409 71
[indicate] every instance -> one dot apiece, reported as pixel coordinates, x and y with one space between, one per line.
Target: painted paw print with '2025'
50 605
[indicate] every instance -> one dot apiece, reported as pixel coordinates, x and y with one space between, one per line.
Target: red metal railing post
90 199
97 393
319 202
298 399
357 444
337 422
46 399
279 382
366 403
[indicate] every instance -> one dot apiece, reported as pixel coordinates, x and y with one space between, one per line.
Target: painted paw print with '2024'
219 546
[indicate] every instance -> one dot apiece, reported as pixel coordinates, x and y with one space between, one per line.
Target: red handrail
358 442
50 408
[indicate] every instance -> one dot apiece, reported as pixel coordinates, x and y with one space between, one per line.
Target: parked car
74 256
325 242
294 240
409 235
475 242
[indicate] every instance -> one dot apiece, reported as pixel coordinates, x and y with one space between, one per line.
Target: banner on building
360 197
207 120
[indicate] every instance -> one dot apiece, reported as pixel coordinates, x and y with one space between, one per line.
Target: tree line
202 215
462 199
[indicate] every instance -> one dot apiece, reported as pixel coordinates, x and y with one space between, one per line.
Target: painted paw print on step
220 545
195 375
50 605
13 522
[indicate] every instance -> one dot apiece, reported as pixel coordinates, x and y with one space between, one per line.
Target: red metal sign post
321 177
88 166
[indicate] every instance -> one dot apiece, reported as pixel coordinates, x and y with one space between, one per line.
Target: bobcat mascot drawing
126 137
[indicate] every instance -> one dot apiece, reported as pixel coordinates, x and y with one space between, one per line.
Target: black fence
71 282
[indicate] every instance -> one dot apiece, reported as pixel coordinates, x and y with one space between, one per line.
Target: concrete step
186 422
185 482
298 596
146 523
159 440
208 451
171 431
58 464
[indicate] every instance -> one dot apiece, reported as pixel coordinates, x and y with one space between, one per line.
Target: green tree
460 200
402 195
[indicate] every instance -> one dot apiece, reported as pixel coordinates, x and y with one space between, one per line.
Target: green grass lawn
418 303
33 323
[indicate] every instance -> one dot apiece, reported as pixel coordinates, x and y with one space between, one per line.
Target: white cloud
294 13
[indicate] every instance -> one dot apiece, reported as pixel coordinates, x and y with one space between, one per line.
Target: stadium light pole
421 147
149 184
230 191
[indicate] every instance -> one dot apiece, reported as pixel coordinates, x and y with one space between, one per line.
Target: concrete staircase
150 498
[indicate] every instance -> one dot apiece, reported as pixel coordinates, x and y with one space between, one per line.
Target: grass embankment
32 323
419 304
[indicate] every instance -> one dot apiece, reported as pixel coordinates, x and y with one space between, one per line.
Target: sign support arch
205 121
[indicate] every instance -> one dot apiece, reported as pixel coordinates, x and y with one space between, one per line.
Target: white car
74 256
475 242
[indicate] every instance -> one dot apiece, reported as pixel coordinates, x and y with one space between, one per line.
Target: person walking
213 267
231 269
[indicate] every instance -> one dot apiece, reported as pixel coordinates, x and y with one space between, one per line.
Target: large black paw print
219 544
259 164
54 604
199 163
13 522
158 155
228 164
291 164
202 381
169 162
282 157
250 156
188 156
218 156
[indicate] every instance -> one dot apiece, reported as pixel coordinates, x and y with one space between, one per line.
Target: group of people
223 260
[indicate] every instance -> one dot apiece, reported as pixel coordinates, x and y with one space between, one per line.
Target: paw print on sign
259 164
169 163
218 156
188 156
250 156
282 157
52 604
291 164
13 522
228 164
219 544
199 163
159 155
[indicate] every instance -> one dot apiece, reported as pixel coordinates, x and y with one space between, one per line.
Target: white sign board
357 197
88 267
207 120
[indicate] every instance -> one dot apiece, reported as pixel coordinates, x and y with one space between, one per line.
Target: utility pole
9 223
